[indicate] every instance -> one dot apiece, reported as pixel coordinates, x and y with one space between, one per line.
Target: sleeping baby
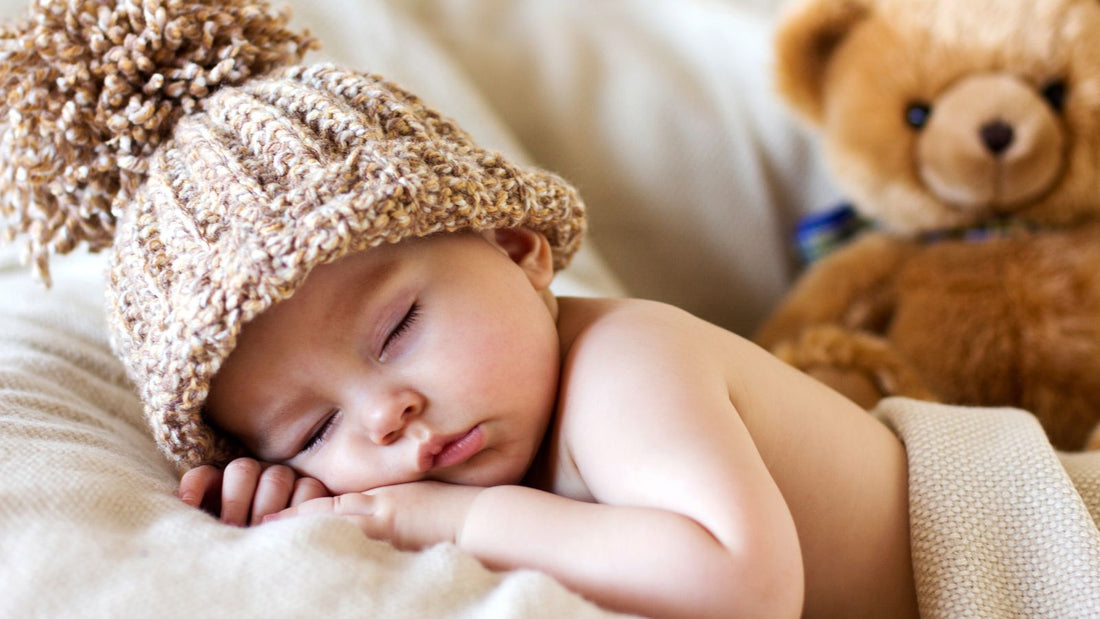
333 301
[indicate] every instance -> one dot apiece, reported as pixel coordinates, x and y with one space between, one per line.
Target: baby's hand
410 516
247 490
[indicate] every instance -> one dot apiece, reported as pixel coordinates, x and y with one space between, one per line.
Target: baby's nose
390 414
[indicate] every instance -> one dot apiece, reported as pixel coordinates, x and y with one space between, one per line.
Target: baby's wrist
474 516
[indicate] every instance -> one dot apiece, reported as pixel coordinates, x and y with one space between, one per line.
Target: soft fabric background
664 115
660 111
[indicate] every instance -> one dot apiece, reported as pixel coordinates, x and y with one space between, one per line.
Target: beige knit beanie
171 131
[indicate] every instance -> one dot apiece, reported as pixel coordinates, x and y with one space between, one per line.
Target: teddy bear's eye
917 114
1055 94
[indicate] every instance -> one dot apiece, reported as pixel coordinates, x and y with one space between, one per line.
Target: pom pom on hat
170 131
93 87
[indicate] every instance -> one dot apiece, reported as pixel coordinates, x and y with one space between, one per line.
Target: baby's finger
354 504
238 487
273 491
197 483
307 489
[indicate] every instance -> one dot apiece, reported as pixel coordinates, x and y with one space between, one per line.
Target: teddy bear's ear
807 37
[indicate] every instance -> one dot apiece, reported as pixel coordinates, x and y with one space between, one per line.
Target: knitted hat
166 129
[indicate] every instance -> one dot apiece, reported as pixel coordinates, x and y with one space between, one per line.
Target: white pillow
89 524
663 114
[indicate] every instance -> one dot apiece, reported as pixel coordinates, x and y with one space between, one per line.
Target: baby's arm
246 490
688 519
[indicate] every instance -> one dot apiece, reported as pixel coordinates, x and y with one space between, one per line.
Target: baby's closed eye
322 433
399 330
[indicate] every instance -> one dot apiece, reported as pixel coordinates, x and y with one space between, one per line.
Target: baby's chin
489 468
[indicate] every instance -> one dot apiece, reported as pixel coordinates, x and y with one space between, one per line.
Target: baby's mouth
446 451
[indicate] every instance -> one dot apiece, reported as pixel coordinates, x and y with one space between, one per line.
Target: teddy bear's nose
997 136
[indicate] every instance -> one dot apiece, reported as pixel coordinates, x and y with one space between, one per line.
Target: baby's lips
429 449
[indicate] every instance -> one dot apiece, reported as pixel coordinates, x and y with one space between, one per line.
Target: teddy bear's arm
851 288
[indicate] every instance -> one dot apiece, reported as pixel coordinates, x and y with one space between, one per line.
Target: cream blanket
1001 524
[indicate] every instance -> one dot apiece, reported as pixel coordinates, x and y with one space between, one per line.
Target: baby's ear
528 249
805 41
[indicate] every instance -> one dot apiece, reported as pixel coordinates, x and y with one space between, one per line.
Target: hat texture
221 178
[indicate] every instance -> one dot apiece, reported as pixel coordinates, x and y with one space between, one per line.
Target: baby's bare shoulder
590 322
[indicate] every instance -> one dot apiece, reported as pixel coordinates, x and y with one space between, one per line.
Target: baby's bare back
841 473
844 477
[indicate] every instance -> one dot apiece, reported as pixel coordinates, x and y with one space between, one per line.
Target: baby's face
429 359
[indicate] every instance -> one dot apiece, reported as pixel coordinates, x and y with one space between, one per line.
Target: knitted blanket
1002 525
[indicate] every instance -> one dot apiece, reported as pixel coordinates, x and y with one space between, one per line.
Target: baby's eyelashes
400 330
321 434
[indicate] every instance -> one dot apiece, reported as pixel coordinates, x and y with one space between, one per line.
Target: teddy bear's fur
969 131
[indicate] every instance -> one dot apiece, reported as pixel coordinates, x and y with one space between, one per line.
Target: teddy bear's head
948 113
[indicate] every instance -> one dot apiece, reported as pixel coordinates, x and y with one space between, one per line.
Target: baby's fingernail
270 518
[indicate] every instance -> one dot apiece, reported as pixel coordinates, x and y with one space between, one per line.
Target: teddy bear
969 134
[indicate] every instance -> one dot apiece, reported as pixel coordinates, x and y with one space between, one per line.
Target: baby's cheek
502 351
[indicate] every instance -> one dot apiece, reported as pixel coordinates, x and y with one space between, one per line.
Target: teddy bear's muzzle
992 144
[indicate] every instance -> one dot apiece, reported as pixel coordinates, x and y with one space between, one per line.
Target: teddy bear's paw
857 386
1093 442
862 366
